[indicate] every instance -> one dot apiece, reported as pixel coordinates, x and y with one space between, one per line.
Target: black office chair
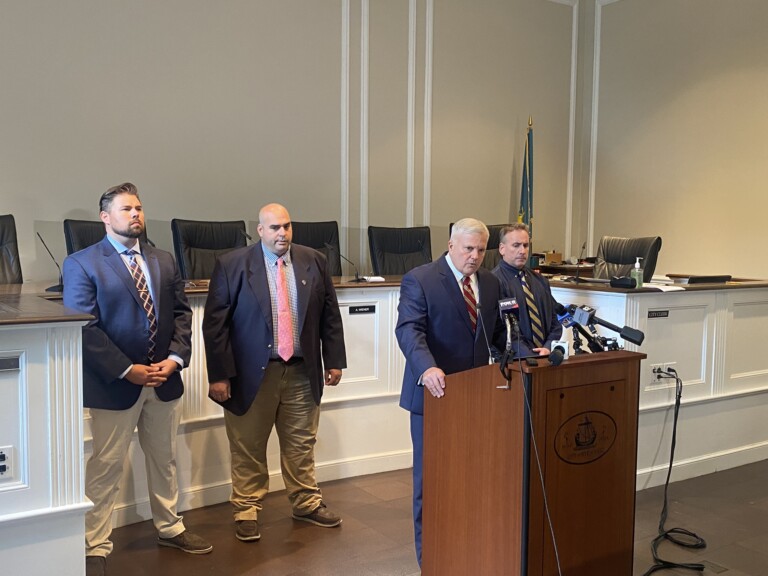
616 256
197 243
395 251
323 237
10 264
492 255
79 234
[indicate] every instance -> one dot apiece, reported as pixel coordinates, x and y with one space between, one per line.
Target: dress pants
284 400
417 439
112 430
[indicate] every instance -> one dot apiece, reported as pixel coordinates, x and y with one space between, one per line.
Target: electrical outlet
6 463
656 370
662 368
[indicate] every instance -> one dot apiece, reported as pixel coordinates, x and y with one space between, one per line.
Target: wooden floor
729 509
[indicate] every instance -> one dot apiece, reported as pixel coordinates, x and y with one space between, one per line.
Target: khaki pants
285 401
112 430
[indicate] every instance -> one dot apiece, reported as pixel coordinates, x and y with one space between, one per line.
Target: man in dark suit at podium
539 326
448 310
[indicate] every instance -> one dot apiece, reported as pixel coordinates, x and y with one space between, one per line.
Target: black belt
290 362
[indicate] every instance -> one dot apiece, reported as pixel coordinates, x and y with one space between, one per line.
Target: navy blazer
97 281
433 326
542 293
237 326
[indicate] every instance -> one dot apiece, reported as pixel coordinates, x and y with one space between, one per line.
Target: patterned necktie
469 300
284 318
533 312
146 301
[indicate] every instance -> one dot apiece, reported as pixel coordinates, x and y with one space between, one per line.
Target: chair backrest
197 243
492 255
616 256
10 265
323 237
79 234
395 251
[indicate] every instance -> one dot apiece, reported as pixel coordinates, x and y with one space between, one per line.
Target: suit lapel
153 265
257 279
302 272
115 261
453 291
484 286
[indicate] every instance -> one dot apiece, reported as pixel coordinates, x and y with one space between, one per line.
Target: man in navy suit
537 331
133 352
273 338
445 308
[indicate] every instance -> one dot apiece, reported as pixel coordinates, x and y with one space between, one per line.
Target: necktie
146 300
284 318
469 300
533 312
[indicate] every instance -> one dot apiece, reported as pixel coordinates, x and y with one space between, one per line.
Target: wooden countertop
19 308
29 303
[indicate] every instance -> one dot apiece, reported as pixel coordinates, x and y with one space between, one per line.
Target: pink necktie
284 319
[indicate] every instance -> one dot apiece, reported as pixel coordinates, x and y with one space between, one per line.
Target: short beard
129 232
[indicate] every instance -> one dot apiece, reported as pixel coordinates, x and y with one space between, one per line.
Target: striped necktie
537 332
146 300
470 301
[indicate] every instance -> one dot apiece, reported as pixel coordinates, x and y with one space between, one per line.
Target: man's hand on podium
434 381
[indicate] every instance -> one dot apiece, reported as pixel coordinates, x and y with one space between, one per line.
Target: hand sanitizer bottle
637 273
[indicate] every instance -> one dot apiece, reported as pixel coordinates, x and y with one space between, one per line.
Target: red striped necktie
470 301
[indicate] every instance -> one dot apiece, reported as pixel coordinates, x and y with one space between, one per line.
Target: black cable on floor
679 536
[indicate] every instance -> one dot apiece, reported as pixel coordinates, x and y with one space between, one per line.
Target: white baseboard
701 465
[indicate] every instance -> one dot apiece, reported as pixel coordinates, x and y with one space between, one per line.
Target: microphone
565 315
485 334
586 315
357 274
60 286
578 262
558 353
569 319
248 237
508 310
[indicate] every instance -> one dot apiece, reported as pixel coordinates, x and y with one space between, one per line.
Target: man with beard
445 309
133 353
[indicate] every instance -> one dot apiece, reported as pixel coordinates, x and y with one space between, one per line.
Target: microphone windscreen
556 356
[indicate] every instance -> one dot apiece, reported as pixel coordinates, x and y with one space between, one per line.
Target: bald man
273 339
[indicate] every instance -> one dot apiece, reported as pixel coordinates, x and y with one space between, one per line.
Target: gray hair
469 226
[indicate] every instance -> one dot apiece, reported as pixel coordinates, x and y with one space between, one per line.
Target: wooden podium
483 504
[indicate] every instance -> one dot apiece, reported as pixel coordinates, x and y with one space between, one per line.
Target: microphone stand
330 246
578 261
60 286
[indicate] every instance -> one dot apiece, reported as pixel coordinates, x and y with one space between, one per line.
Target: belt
290 362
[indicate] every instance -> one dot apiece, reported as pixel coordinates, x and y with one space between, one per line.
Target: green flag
526 193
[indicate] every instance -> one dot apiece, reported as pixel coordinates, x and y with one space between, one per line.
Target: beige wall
366 112
650 119
683 129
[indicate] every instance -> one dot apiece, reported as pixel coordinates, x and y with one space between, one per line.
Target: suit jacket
434 329
542 294
96 281
237 326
